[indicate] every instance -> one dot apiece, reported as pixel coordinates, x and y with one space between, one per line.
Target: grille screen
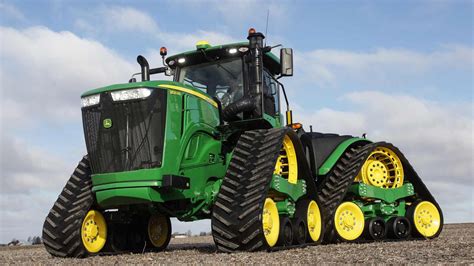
127 135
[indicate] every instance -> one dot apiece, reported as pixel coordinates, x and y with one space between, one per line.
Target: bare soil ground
455 245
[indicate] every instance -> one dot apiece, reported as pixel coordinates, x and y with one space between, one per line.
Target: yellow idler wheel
427 219
94 231
287 163
349 221
382 168
270 222
314 221
159 231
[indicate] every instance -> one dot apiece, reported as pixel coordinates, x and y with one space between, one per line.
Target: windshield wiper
218 64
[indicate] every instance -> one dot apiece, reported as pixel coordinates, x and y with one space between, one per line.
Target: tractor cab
239 76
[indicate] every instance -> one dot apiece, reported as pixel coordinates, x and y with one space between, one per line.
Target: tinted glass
222 79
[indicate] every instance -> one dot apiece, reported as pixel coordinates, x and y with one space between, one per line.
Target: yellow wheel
94 231
287 164
314 221
426 219
270 222
159 230
349 221
382 168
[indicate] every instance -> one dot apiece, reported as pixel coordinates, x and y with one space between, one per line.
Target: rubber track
62 227
333 188
237 213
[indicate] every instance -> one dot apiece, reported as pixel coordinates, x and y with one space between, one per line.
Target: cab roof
193 57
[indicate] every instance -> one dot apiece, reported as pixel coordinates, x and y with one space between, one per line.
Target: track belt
333 187
236 216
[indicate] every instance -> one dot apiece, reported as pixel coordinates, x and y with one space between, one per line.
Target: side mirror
286 62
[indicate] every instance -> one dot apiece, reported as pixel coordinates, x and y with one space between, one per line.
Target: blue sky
401 71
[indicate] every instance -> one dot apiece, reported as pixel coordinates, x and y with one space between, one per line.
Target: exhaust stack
145 67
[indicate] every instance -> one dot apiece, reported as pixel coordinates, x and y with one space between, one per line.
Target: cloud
42 76
31 179
120 19
27 169
436 138
116 20
382 65
47 71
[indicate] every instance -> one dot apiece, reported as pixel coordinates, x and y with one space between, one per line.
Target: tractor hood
163 84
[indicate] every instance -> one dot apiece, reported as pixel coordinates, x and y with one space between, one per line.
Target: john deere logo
107 123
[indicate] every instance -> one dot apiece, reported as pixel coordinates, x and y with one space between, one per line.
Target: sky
400 71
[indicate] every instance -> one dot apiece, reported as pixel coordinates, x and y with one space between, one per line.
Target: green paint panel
387 195
294 191
337 153
275 121
382 209
147 84
286 207
191 149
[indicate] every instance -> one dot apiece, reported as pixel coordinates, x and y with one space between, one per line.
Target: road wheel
159 231
286 232
270 222
309 210
426 219
375 228
349 221
94 231
300 231
398 227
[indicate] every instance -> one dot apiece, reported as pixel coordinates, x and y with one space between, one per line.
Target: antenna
266 27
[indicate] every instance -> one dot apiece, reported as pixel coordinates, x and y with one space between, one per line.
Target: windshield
222 79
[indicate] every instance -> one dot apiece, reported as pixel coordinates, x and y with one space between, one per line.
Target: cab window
222 79
271 94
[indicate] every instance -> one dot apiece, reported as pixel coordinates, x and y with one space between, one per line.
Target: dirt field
455 245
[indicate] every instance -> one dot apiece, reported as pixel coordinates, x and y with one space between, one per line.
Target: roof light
243 49
202 45
90 100
232 50
181 60
133 94
252 31
296 126
163 51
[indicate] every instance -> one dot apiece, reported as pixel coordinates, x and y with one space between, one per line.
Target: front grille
135 138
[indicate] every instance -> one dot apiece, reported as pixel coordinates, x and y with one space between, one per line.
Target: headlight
90 100
132 94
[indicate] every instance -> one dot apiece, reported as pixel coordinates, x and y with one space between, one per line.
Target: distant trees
36 240
32 240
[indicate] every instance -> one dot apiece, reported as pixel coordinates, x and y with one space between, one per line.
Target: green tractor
215 144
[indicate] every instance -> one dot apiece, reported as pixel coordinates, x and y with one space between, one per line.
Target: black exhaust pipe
145 68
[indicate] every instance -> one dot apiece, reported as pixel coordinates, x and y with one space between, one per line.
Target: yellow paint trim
158 230
349 221
94 231
287 163
270 222
427 219
314 221
189 91
382 168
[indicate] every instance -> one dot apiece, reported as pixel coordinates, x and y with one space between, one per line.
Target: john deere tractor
214 143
